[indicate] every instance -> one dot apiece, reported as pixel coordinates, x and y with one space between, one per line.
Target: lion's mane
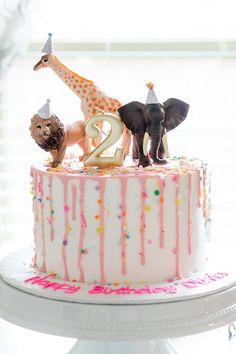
57 132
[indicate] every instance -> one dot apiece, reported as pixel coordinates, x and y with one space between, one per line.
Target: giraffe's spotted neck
78 84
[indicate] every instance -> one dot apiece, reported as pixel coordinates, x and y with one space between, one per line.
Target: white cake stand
118 328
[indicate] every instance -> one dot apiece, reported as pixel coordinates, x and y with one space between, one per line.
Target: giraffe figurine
92 98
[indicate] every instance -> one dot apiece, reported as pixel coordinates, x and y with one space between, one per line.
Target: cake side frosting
121 224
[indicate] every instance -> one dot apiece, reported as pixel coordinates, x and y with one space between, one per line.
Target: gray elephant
152 120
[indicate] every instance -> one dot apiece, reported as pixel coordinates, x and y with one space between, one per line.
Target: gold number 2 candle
95 158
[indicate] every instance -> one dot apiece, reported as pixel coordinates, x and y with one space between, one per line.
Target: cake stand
118 328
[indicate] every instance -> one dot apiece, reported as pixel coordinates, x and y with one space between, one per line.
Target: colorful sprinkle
52 274
97 188
156 192
99 229
97 216
178 201
69 228
175 178
66 208
147 208
65 243
99 201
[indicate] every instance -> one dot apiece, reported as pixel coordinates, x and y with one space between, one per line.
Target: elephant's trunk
156 137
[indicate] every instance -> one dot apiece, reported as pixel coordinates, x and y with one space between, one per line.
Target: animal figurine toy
52 136
152 120
92 98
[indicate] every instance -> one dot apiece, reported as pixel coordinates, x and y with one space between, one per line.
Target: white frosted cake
121 224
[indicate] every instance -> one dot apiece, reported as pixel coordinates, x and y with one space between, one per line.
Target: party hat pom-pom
150 85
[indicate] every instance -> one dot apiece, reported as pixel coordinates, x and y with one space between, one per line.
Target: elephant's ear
176 112
132 115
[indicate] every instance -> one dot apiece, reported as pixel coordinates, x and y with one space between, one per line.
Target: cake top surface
71 167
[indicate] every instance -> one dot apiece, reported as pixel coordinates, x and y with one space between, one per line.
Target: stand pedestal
118 328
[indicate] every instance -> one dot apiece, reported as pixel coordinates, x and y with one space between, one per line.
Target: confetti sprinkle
66 208
65 243
156 192
178 201
147 208
97 216
52 274
69 228
99 229
175 178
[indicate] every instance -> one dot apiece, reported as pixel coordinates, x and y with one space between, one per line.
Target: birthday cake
109 220
121 224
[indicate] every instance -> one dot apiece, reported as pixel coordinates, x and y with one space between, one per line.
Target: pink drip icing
36 197
102 184
161 213
205 206
189 212
43 267
65 238
199 188
177 226
142 220
82 231
74 197
123 182
51 208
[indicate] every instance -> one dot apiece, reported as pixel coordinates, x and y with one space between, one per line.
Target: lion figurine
52 136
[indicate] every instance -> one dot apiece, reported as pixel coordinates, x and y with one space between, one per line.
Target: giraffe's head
44 62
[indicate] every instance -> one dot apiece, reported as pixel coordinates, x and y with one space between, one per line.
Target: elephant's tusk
145 143
166 147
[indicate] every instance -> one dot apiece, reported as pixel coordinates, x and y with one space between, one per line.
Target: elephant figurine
152 120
